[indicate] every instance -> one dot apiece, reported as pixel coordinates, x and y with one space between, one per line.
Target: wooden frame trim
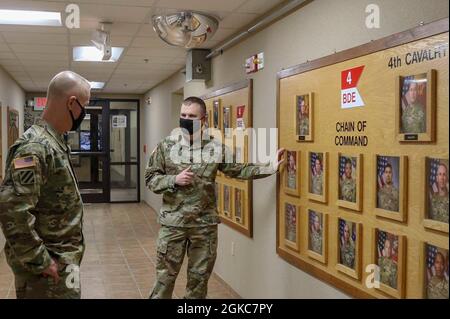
229 88
353 273
357 206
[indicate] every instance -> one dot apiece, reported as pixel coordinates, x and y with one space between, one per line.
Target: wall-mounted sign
119 121
350 96
40 103
254 63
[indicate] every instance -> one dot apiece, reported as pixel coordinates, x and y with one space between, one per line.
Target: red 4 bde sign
350 96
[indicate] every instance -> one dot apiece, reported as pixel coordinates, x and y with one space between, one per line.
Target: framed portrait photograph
349 248
291 175
304 117
350 181
217 117
12 125
415 107
217 193
435 272
317 236
226 208
389 257
240 149
391 187
239 207
227 127
318 176
436 194
290 226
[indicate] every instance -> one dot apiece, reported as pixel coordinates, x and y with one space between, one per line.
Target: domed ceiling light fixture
187 29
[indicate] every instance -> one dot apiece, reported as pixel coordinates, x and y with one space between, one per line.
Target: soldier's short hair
68 83
348 161
388 165
193 99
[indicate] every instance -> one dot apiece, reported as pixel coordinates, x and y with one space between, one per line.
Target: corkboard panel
234 95
377 86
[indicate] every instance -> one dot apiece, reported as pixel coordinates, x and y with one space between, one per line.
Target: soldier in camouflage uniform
315 237
439 200
413 115
188 215
388 267
40 205
437 287
348 184
303 125
347 249
291 172
388 194
317 178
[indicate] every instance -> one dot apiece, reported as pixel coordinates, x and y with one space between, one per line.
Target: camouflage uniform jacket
193 205
41 210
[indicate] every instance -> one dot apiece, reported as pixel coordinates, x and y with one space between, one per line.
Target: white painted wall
318 29
12 95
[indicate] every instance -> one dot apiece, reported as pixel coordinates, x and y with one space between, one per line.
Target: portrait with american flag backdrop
388 183
351 226
437 189
347 178
413 94
387 258
436 272
290 222
387 251
382 163
342 161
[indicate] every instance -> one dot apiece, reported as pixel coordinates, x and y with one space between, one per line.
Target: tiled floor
120 256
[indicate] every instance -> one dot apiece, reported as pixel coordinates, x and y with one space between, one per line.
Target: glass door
124 150
89 146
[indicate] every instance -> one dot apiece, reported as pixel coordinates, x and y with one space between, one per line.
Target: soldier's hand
52 271
280 158
185 177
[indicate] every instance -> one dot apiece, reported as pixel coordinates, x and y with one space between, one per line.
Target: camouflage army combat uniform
41 215
303 126
439 208
348 190
437 288
188 216
413 119
291 181
388 198
348 254
317 184
316 241
388 272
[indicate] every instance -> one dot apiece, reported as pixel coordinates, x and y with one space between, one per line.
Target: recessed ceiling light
96 85
90 53
26 17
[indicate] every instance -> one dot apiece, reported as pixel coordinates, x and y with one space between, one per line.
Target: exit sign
40 103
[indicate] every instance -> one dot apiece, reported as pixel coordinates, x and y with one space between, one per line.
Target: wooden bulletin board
233 104
392 238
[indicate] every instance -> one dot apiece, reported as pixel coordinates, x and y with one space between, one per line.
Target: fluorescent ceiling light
26 17
97 85
90 53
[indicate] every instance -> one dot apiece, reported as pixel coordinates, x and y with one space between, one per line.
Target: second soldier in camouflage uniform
347 249
439 200
437 287
348 184
315 236
388 267
413 115
317 179
188 215
41 210
388 196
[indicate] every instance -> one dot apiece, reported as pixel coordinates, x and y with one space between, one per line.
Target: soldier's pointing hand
185 177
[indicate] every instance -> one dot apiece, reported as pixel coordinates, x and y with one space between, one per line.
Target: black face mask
77 122
192 126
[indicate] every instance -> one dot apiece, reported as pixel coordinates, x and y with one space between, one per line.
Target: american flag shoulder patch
24 162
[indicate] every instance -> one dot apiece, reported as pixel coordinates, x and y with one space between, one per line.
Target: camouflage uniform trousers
31 286
200 243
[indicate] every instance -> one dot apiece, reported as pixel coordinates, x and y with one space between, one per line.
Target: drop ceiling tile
30 62
33 5
126 13
7 55
85 39
203 5
7 62
223 33
14 68
24 56
35 38
140 3
38 48
149 52
258 6
238 20
135 59
147 42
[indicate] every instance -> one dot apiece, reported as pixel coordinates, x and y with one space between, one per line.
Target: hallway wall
316 30
12 95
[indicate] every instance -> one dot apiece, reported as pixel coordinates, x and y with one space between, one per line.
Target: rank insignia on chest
24 162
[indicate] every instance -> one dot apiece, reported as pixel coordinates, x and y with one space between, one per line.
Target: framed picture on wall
304 117
350 181
290 225
391 187
436 194
226 208
1 148
217 116
415 107
389 257
318 176
291 175
240 148
317 236
349 248
239 205
12 125
435 272
227 127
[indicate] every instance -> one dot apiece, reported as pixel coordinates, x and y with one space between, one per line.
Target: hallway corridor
120 257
